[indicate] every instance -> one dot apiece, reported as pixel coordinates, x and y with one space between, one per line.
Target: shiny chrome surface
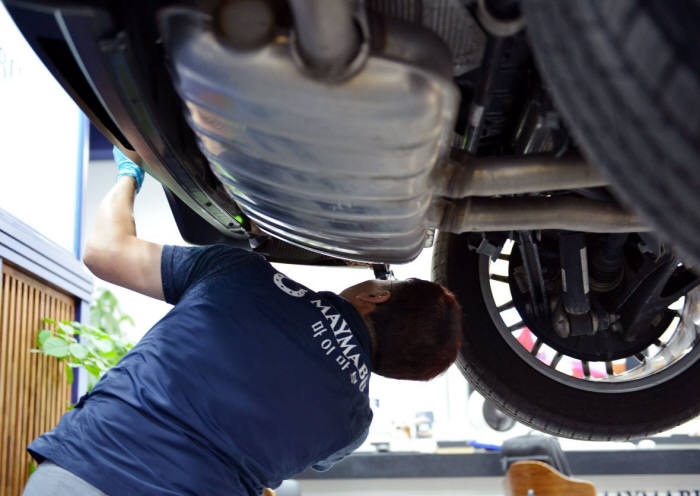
469 176
327 37
340 169
508 214
449 19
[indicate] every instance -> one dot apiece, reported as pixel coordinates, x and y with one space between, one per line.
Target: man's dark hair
419 331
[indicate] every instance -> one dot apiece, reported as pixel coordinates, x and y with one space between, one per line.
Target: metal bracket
533 273
383 272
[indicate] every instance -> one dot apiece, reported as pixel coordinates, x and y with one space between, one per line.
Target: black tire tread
500 375
625 75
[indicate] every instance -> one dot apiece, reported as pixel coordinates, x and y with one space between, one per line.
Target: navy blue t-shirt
249 379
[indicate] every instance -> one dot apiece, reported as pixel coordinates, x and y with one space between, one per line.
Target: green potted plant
97 346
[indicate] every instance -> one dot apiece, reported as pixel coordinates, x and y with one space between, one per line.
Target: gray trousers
50 479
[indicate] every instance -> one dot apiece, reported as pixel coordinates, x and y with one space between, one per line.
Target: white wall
40 130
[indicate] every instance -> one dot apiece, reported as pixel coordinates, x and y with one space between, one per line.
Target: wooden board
33 389
533 478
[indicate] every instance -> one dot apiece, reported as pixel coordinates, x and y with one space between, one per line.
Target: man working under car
248 380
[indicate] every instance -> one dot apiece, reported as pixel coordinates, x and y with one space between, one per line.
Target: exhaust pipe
327 39
522 214
468 176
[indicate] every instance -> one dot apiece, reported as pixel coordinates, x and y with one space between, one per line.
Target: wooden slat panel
41 378
45 406
9 385
33 390
23 348
50 378
4 365
68 314
27 344
30 390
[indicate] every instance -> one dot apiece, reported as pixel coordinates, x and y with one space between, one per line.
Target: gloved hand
128 168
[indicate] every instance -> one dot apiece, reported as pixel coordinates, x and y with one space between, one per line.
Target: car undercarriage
332 132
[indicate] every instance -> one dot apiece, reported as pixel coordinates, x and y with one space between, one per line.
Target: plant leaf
127 318
78 351
55 347
104 345
111 324
69 374
43 335
93 370
67 327
97 331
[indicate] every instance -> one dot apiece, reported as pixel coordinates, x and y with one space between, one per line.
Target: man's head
417 326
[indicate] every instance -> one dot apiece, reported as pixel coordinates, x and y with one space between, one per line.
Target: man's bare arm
114 253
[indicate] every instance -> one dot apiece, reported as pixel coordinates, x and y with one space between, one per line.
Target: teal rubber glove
128 168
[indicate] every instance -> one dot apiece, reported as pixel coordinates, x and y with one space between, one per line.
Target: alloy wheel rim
677 352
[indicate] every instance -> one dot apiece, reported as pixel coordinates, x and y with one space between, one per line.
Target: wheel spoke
506 306
499 278
586 368
609 368
516 327
555 361
504 256
536 347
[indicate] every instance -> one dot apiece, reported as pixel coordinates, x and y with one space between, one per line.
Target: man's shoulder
214 258
224 251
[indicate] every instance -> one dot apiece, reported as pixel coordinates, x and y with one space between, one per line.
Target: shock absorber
607 263
572 315
574 273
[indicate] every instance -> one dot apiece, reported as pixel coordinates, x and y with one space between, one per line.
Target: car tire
626 76
500 375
